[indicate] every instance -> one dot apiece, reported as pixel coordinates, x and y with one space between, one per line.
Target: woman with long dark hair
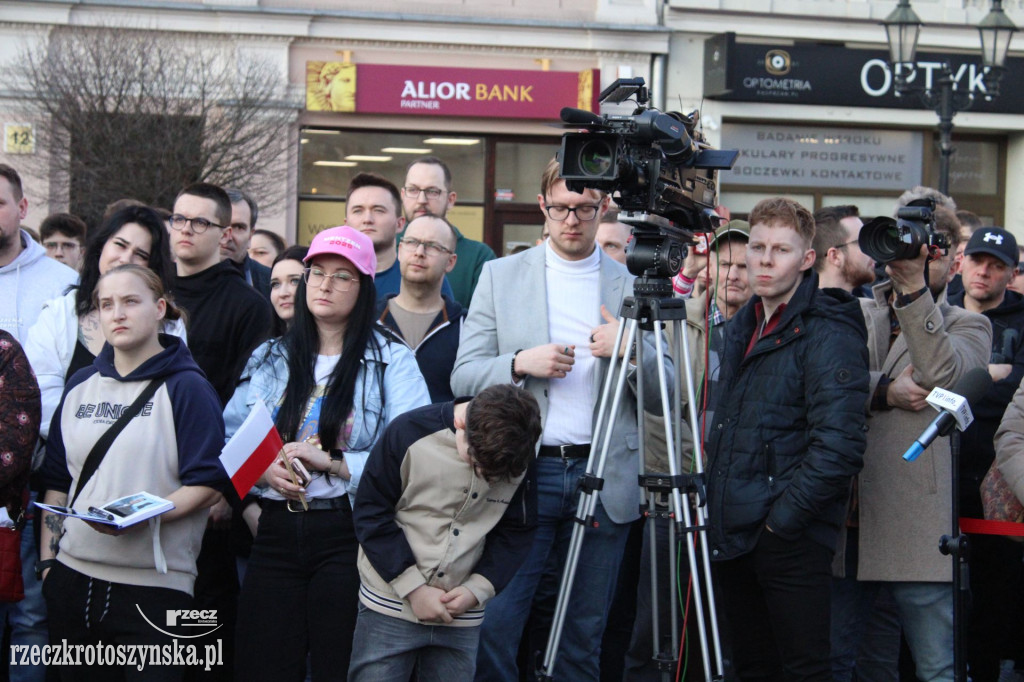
106 585
67 336
332 382
285 276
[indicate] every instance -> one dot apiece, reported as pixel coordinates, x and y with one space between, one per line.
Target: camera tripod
651 304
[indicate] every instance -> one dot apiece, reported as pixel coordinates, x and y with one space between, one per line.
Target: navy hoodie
174 441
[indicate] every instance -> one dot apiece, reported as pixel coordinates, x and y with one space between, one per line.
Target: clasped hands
434 605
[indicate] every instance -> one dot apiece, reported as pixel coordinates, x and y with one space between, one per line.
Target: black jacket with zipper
789 432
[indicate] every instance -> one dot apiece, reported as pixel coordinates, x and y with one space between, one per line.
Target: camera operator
916 341
787 438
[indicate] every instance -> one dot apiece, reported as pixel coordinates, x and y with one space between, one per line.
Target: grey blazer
509 313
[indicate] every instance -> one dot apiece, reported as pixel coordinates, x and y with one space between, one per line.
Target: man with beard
916 341
427 322
989 263
374 207
839 261
428 190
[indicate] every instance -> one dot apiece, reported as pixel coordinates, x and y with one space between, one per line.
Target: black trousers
300 594
775 606
83 610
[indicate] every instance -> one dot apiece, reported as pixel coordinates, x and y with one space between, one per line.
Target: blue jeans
926 611
593 589
386 648
27 618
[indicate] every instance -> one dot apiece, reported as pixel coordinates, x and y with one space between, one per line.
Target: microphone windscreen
580 117
974 385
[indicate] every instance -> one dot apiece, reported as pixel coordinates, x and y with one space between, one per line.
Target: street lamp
902 28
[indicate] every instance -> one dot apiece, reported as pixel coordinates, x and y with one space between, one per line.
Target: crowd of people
437 407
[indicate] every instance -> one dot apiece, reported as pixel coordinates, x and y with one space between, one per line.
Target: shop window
518 168
330 158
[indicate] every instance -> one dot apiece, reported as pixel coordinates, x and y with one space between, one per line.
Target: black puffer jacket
789 430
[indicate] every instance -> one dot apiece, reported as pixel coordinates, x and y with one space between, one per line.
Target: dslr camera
886 239
664 174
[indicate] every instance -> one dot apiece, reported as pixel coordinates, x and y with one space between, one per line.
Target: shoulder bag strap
99 451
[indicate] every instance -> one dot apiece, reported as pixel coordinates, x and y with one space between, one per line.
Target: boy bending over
444 515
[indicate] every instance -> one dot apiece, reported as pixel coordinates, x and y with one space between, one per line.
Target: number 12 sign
19 138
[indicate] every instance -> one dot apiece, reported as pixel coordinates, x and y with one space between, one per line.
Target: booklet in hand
122 512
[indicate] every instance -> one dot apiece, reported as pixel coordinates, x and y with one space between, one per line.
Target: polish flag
252 449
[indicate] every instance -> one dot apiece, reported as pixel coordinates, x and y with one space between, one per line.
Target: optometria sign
837 75
437 91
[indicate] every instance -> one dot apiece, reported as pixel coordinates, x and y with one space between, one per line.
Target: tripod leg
701 579
587 504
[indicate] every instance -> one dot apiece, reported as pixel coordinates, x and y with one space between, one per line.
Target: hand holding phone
302 477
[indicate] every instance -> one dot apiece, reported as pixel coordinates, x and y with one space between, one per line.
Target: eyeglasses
433 248
583 213
854 241
432 192
61 246
199 225
340 281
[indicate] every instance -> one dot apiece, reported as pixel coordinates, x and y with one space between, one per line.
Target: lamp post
903 27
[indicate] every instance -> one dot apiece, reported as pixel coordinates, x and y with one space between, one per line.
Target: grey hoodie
26 283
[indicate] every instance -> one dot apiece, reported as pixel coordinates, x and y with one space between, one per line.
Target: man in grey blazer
545 319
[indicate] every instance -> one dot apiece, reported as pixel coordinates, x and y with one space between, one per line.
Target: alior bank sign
438 91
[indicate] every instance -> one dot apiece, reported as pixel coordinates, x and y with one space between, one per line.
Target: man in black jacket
990 262
227 320
788 437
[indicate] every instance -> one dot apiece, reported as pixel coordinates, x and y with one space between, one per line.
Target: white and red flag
252 449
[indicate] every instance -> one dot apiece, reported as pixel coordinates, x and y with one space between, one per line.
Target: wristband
334 468
516 378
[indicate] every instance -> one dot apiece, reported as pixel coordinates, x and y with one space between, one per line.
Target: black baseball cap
994 241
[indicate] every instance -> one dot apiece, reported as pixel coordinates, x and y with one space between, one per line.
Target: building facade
798 88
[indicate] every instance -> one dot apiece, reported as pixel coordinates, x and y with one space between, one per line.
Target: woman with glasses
332 382
67 336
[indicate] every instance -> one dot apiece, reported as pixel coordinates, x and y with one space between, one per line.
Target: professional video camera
665 178
664 173
886 239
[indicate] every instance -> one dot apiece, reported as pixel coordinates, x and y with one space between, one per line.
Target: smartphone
300 471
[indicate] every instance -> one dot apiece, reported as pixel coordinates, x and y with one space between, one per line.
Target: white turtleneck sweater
574 309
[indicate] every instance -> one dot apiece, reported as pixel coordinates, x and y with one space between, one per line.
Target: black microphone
972 387
581 117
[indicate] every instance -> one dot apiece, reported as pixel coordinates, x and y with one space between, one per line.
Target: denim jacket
266 376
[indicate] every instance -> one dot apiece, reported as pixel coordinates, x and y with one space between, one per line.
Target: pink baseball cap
347 242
